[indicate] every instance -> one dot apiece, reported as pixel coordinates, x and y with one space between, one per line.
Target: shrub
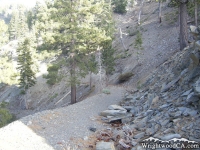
5 117
125 77
53 76
120 6
106 91
138 40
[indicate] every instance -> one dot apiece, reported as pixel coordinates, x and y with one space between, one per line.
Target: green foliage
44 54
132 32
3 104
7 71
79 31
138 40
173 3
191 7
53 96
171 17
120 6
106 91
5 116
27 75
18 27
125 77
108 59
53 76
3 33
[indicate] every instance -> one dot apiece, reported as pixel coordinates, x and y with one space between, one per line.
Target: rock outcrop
168 105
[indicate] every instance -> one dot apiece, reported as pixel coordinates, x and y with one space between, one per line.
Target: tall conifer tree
78 32
27 75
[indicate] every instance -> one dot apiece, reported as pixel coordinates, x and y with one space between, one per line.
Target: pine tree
78 32
22 26
18 26
13 29
108 59
3 32
120 6
25 62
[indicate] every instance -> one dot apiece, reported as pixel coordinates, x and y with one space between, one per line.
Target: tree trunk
121 38
139 16
196 13
183 24
160 11
73 84
73 94
90 80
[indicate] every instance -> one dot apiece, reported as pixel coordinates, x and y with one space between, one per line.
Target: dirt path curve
53 129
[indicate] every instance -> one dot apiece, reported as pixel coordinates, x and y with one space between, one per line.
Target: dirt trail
52 129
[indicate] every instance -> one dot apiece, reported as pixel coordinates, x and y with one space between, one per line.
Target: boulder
193 29
197 87
105 146
187 93
116 107
128 108
197 43
113 112
139 135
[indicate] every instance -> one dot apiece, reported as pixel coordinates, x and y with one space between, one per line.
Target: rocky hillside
161 100
165 107
159 42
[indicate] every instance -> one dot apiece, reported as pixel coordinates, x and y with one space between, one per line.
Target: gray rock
134 111
116 107
154 101
134 143
192 113
164 123
142 123
192 97
170 136
112 113
168 131
150 98
150 131
128 108
149 112
187 93
194 139
123 118
140 148
105 146
193 29
128 98
177 114
187 111
164 106
197 43
126 120
173 82
197 87
139 135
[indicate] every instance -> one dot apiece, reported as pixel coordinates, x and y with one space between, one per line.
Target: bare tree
183 24
160 11
139 16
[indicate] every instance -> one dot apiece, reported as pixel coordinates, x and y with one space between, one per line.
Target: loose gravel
54 129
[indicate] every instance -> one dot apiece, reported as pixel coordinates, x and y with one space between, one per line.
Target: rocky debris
107 113
163 111
194 29
105 146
